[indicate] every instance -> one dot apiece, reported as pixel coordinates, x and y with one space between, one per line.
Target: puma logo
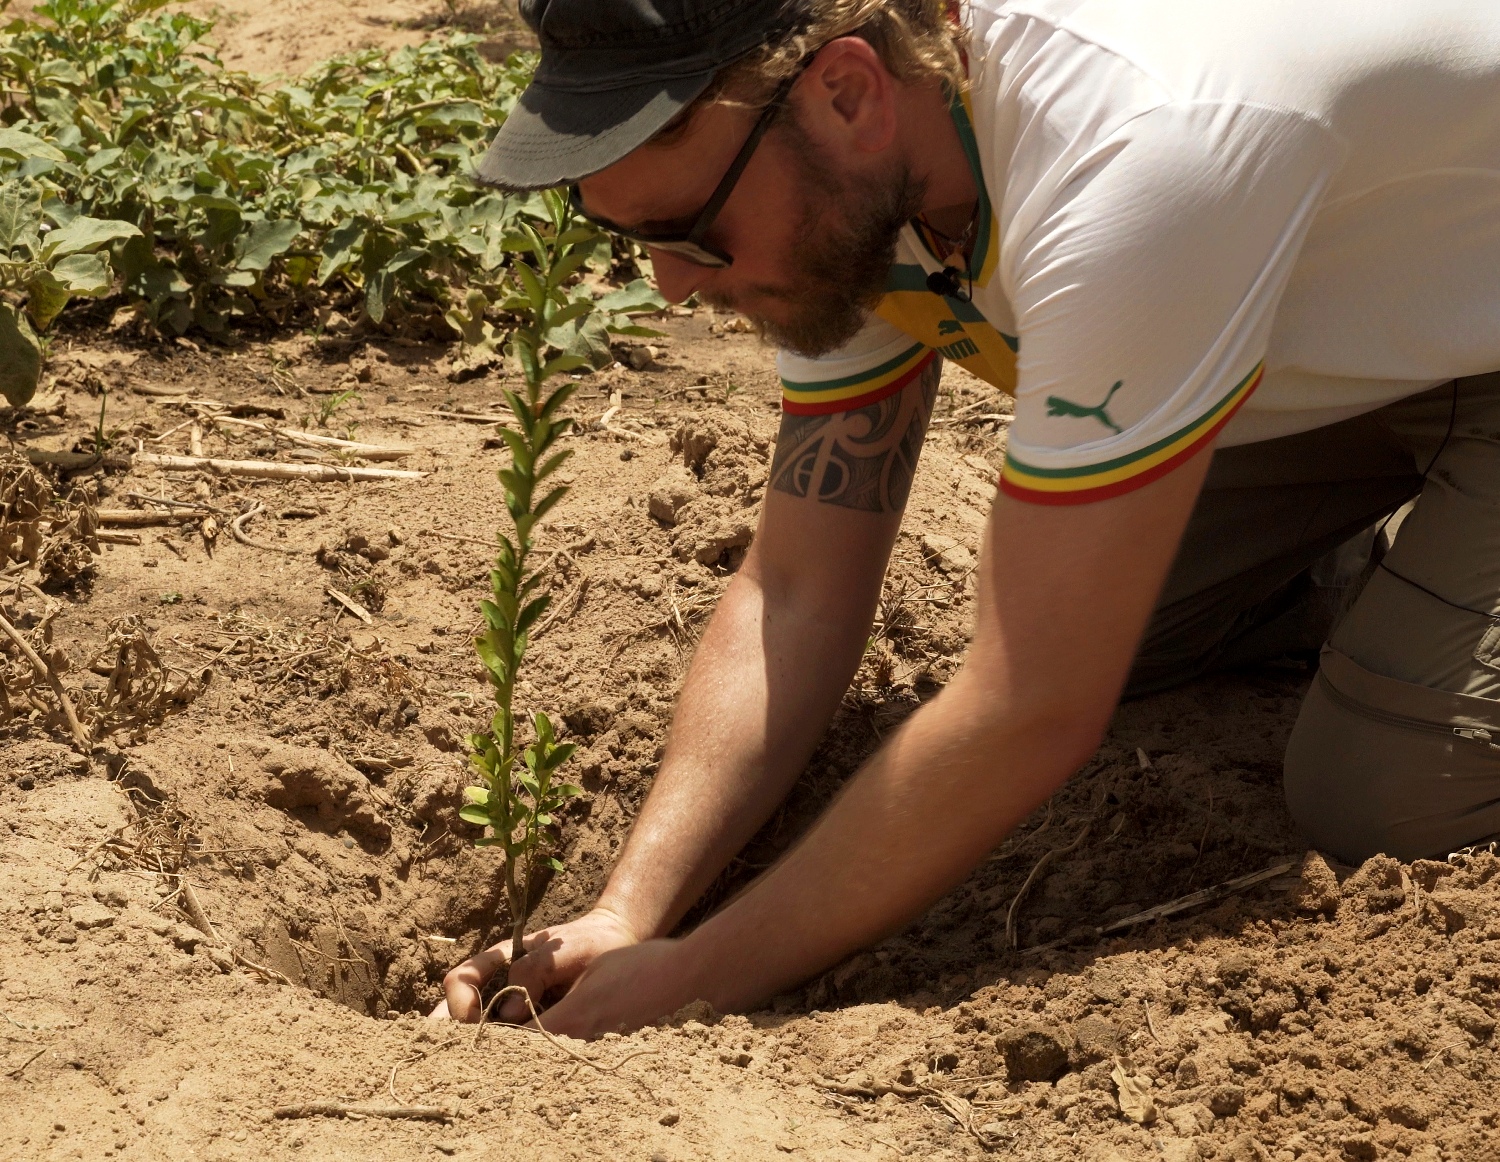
949 327
1057 406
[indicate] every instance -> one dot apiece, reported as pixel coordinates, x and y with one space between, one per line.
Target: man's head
809 227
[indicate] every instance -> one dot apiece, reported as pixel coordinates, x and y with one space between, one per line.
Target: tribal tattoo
863 459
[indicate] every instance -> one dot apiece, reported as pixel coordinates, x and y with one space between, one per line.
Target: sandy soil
309 795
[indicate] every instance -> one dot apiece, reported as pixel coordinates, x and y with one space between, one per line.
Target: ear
847 99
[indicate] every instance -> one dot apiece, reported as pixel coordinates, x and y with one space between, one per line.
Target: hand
554 959
625 989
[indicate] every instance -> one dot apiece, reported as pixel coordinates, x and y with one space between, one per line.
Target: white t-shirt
1231 219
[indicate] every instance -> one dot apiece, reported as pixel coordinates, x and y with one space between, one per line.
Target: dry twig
1054 853
339 1109
46 673
536 1020
237 529
313 440
351 605
273 470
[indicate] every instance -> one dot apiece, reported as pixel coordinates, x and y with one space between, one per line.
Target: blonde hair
917 40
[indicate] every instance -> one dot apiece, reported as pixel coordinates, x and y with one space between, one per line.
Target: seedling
558 328
331 403
521 793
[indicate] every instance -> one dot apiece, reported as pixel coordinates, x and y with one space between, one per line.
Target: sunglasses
689 245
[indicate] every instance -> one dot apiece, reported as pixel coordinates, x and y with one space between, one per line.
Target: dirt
307 787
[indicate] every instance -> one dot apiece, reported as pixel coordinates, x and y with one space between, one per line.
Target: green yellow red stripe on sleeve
827 396
1092 482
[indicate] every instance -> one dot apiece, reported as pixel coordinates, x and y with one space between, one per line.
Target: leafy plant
256 199
330 404
49 253
520 793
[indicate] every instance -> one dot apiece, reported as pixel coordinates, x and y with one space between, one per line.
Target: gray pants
1392 751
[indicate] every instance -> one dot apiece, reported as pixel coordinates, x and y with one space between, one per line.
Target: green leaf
82 235
554 863
470 813
338 250
563 363
591 342
20 357
264 242
535 292
560 754
477 795
564 267
544 506
18 217
46 296
533 610
84 274
574 310
22 145
553 464
378 294
635 298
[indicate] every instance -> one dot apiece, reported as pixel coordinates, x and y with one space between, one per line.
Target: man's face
812 240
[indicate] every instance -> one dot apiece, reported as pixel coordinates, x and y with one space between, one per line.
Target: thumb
462 984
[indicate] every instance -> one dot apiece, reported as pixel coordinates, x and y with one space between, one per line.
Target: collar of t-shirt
961 326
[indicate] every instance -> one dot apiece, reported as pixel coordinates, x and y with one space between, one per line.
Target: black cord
1452 417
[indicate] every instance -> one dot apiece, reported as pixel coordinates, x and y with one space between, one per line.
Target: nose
676 278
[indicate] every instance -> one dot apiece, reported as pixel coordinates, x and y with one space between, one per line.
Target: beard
843 250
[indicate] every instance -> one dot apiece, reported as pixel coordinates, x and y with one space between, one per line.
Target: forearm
764 682
1029 707
910 826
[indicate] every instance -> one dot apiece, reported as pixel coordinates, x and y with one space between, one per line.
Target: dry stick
1199 898
44 671
20 1069
194 909
195 439
270 973
104 537
471 417
196 507
875 1089
351 605
573 607
606 423
390 1082
542 1029
456 537
1010 915
1150 1024
313 440
339 1109
273 470
140 517
237 528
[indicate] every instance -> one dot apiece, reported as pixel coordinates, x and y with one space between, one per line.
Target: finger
440 1013
536 972
462 984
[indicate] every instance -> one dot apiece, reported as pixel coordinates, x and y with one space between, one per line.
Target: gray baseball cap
613 73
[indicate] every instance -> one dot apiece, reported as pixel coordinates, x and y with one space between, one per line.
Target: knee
1363 778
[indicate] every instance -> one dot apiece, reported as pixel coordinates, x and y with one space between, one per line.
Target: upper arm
842 469
1063 599
1145 272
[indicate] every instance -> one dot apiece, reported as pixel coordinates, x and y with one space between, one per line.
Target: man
1238 264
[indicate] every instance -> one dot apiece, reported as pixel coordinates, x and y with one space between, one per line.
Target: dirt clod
1318 891
1034 1052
